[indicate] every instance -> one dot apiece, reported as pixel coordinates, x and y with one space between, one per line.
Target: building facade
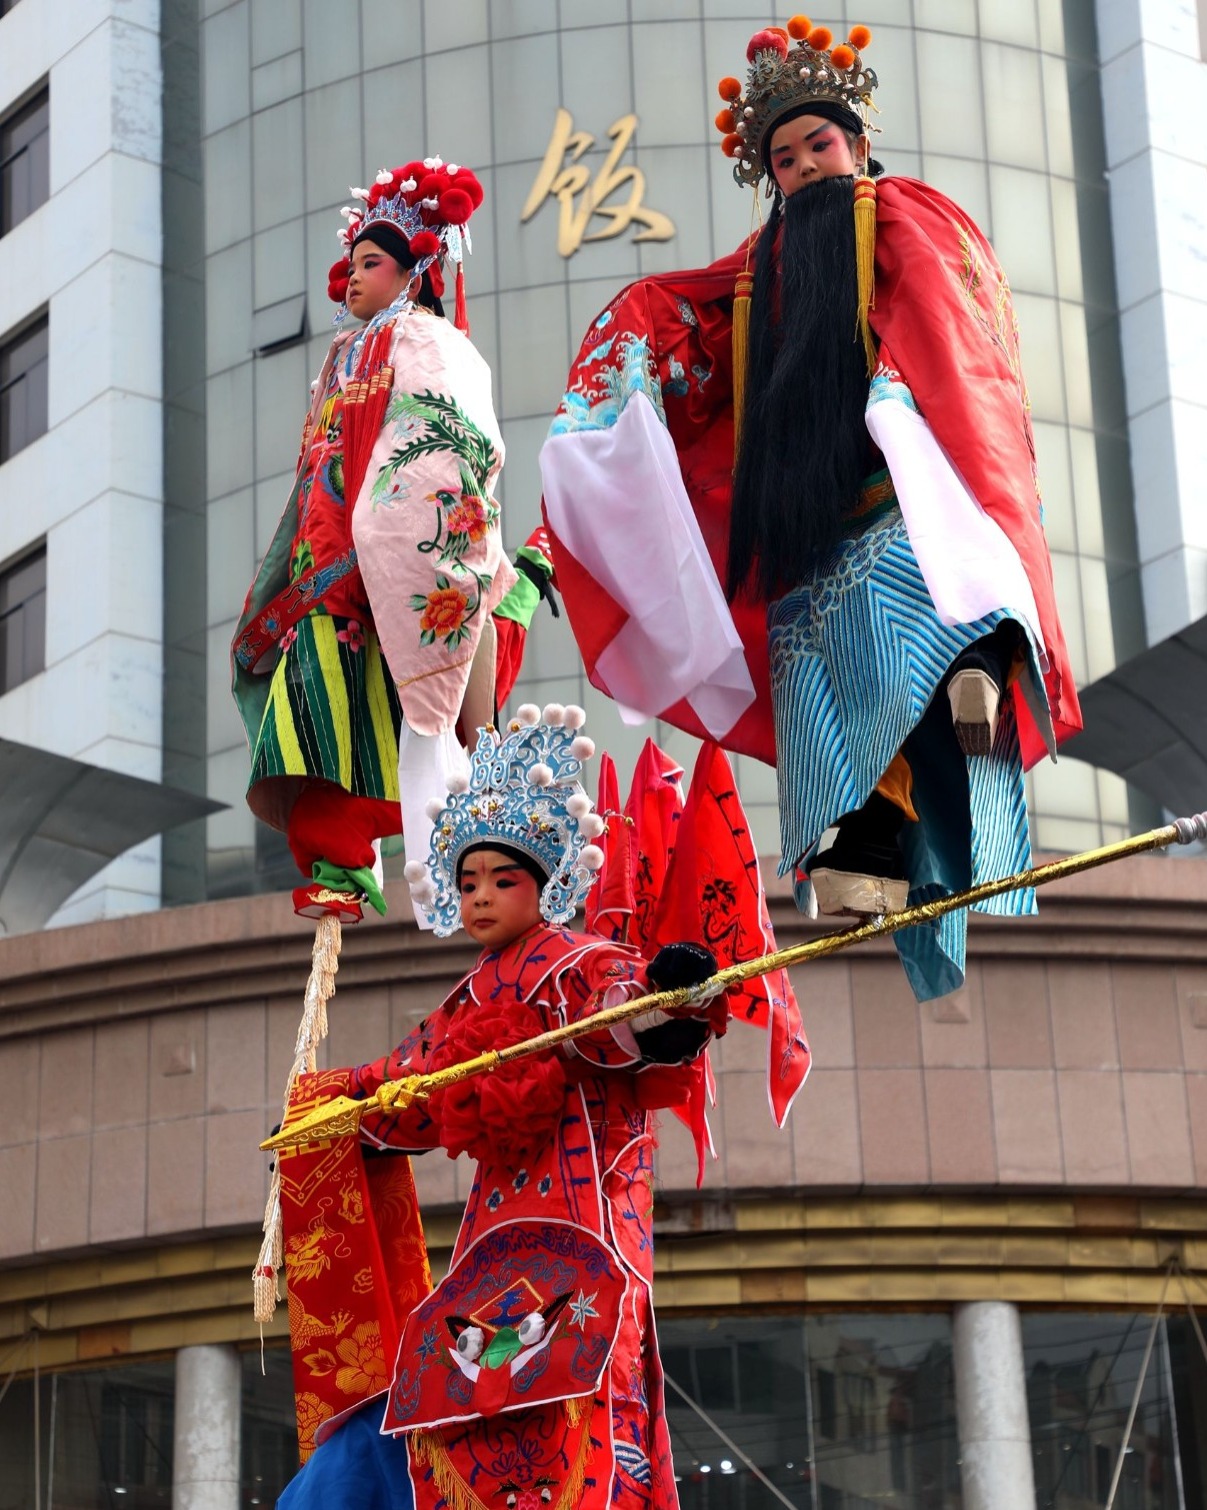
185 327
1003 1177
1006 1183
81 330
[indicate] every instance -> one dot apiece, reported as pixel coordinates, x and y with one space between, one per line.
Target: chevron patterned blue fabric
857 656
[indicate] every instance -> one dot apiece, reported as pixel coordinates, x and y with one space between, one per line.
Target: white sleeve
617 502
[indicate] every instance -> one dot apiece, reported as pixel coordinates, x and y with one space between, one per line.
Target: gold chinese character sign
581 198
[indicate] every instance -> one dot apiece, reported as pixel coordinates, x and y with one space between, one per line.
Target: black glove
682 964
541 581
676 1041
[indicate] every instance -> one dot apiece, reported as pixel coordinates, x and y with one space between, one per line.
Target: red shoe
318 901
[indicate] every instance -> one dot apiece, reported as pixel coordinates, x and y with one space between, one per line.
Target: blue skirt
356 1468
857 656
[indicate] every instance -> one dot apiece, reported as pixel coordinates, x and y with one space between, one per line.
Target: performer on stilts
375 620
793 505
530 1375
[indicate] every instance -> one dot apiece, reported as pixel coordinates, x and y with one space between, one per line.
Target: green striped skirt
332 713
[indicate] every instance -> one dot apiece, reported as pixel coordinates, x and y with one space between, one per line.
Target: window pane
24 393
269 1437
845 1411
12 651
25 350
22 620
111 1436
22 581
1082 1373
106 1435
24 161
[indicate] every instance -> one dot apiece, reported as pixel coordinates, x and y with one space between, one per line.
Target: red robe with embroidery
558 1226
942 308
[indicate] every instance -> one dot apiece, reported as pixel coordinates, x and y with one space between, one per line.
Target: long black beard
805 446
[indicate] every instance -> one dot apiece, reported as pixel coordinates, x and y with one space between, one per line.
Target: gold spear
341 1117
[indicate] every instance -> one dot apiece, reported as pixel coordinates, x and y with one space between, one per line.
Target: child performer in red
530 1376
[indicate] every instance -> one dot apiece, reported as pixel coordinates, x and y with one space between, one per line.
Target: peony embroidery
422 424
362 1360
468 519
443 613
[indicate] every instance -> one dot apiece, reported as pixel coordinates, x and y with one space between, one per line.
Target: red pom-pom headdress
429 204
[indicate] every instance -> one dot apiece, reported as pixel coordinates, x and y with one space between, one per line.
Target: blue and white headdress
523 792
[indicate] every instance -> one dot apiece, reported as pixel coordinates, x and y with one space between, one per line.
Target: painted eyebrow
787 147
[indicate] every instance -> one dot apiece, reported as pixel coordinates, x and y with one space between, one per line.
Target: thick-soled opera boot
863 871
976 686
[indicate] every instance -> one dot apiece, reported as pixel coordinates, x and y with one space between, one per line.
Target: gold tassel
865 262
576 1479
578 1408
741 347
428 1450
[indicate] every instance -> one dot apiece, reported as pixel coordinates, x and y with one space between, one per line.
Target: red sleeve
410 1128
943 307
602 978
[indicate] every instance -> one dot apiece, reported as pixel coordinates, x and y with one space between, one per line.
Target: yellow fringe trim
741 350
740 338
578 1408
428 1450
865 262
572 1492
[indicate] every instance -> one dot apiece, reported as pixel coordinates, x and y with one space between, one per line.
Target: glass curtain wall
833 1411
103 1436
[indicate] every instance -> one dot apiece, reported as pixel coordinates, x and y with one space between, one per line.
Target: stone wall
141 1061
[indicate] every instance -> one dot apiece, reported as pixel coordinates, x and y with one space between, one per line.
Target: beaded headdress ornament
784 78
429 204
523 792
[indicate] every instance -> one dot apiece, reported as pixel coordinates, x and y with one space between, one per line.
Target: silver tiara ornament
429 203
522 792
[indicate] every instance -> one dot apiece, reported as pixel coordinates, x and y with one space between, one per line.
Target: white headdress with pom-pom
523 792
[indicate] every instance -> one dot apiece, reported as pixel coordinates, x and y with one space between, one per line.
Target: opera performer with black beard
794 508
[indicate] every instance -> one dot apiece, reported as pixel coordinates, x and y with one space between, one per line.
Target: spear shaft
342 1116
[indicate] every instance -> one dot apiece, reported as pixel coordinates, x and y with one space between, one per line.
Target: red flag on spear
610 902
654 806
712 892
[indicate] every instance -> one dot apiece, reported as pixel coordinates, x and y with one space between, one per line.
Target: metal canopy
1147 721
61 821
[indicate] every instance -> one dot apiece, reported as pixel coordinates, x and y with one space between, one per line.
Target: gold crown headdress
785 78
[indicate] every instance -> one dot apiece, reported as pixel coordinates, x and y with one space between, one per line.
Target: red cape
942 309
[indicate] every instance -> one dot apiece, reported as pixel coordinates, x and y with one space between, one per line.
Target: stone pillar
991 1407
205 1466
